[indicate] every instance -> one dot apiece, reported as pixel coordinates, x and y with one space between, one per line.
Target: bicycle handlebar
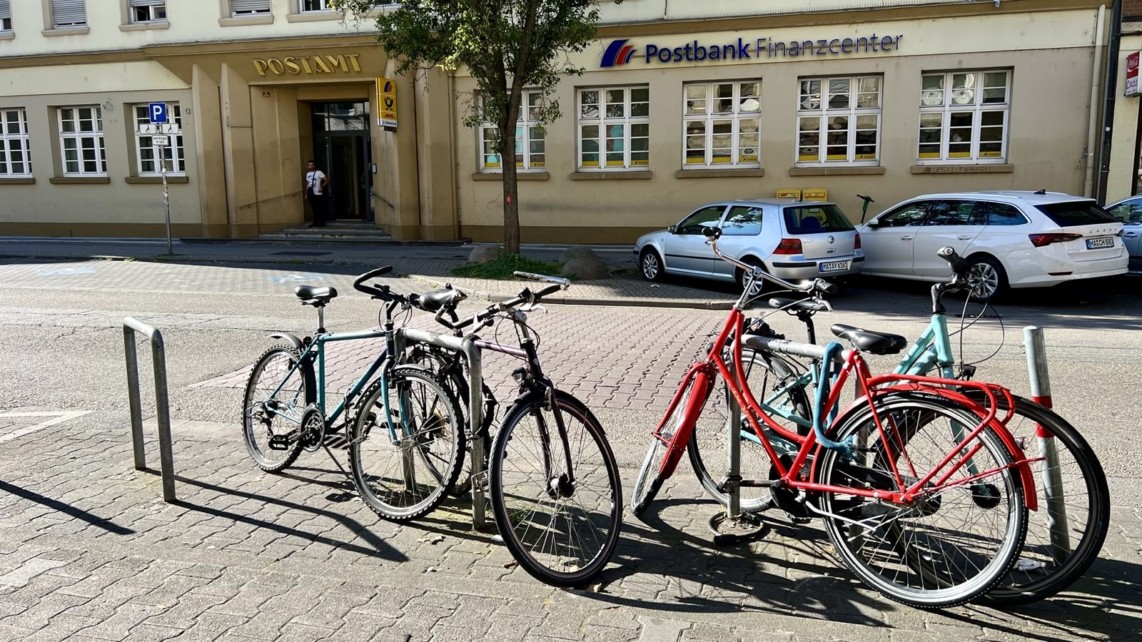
866 199
383 293
525 296
958 264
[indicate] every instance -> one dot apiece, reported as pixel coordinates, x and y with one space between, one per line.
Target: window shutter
146 3
68 12
5 10
249 6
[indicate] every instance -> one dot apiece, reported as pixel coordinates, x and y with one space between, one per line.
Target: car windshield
1074 213
816 219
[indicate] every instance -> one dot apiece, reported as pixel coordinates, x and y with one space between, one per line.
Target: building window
964 116
838 121
721 124
530 144
240 8
614 128
149 154
5 15
147 10
81 138
15 158
307 6
68 13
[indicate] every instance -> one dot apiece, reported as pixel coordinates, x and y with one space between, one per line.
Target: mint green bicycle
1063 538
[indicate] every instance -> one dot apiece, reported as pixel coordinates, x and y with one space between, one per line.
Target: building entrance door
341 147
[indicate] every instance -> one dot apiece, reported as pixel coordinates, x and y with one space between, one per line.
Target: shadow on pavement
66 509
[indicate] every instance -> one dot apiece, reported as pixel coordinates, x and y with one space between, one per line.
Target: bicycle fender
293 340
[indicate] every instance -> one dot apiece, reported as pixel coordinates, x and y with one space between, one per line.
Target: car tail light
788 246
856 243
1043 240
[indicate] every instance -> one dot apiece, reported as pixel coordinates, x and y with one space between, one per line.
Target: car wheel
759 285
987 278
650 264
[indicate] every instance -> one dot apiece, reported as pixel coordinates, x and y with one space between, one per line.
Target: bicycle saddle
310 295
434 301
873 342
803 305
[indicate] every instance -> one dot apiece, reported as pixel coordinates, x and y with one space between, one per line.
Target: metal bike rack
475 406
162 402
1051 477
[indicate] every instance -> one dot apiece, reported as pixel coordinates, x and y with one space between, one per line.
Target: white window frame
153 7
96 135
245 13
704 109
324 6
809 107
528 130
55 21
605 124
15 140
174 154
5 16
947 100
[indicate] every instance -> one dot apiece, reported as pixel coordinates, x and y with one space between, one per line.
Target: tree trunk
511 190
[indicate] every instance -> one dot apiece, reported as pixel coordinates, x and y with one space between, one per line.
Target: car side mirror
712 233
872 225
673 229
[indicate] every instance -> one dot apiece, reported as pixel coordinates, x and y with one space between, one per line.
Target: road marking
294 278
57 418
31 568
67 271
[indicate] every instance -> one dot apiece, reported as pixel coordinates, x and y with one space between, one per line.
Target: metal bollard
1048 450
162 402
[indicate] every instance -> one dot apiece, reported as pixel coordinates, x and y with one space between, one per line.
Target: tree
506 45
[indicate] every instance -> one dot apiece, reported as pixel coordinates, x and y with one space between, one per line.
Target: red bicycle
922 490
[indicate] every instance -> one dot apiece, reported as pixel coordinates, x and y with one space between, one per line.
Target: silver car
1129 211
790 239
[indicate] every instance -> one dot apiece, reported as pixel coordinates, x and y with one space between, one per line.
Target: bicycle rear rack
162 402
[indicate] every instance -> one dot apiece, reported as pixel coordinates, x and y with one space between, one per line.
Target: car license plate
1100 242
834 266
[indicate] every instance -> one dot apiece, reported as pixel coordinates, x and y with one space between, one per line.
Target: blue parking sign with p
158 112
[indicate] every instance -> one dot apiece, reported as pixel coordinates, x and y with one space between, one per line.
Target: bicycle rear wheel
959 538
561 530
277 394
1052 561
770 379
403 471
669 439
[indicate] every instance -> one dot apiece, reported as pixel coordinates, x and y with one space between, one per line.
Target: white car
1010 238
1129 211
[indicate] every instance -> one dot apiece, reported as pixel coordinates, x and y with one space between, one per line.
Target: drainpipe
1111 91
1092 126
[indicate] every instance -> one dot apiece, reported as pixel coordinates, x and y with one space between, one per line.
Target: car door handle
907 237
964 237
1131 235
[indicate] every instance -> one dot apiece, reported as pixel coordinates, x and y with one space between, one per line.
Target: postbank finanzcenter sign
624 52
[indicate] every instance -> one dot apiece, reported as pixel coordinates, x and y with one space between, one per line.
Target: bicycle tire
404 492
764 373
669 439
292 398
1025 584
951 563
529 518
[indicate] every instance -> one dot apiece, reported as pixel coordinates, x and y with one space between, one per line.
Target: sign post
158 113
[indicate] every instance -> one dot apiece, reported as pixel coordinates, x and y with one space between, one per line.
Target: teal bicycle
1063 538
404 431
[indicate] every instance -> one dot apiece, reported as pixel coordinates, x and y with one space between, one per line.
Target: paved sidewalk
425 263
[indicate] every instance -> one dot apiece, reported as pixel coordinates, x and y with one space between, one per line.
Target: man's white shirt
313 181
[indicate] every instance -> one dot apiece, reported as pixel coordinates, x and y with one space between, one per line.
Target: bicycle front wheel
669 439
1066 534
403 470
277 394
561 525
962 533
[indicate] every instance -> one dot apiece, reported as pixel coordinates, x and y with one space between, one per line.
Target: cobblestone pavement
88 551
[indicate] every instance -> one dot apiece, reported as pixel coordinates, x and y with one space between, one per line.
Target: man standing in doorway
316 192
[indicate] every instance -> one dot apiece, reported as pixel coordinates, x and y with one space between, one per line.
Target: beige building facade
677 106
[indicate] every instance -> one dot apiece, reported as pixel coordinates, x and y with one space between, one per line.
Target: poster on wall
1132 74
387 100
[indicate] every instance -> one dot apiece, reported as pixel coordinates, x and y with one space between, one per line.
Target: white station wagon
790 239
1010 238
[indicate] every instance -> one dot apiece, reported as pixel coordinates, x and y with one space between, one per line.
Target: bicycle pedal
279 442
